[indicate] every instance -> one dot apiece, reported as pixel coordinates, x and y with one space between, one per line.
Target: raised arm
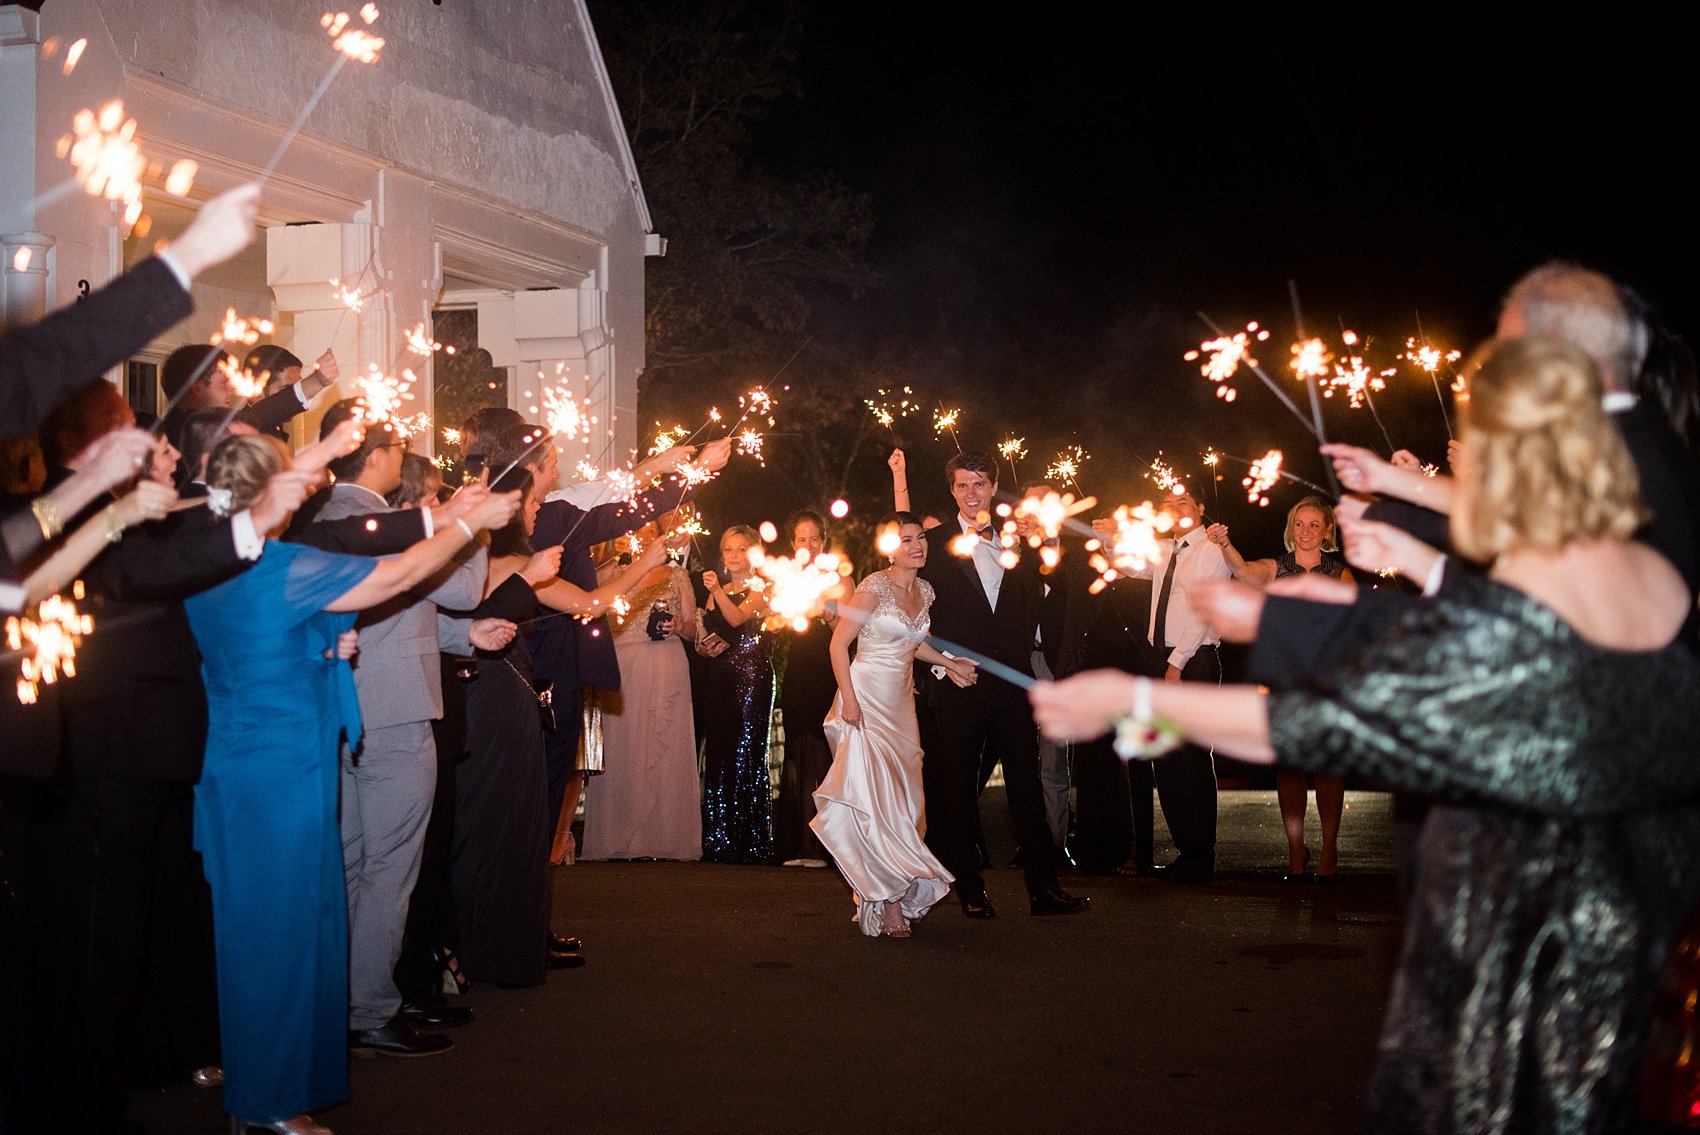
574 600
1258 573
1363 471
391 577
899 480
111 461
148 501
735 614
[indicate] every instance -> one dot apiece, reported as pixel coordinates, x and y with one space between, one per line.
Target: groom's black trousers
991 716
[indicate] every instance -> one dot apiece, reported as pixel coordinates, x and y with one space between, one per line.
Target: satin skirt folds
871 810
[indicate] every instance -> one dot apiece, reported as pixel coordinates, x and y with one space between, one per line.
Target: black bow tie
987 533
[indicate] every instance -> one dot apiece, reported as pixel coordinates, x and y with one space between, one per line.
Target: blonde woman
1549 705
1310 539
736 803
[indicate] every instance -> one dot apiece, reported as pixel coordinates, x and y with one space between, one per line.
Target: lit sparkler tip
1310 359
181 179
1263 475
1013 449
451 436
945 420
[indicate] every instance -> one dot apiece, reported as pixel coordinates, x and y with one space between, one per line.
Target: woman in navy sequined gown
737 807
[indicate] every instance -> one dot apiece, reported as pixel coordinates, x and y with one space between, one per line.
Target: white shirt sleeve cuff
170 262
249 542
430 523
1436 574
301 395
11 597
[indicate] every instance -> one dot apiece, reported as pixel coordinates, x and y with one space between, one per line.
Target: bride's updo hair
243 465
899 519
1542 465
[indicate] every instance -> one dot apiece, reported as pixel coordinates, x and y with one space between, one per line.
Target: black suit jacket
961 613
43 364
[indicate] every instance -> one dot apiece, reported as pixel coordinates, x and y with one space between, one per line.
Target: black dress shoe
435 1013
978 906
562 945
560 959
397 1038
1184 870
1058 901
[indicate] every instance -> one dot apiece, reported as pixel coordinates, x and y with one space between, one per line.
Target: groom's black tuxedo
991 713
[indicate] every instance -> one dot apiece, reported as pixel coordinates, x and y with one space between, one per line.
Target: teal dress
266 826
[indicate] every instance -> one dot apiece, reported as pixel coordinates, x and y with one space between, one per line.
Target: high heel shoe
296 1125
449 963
1302 876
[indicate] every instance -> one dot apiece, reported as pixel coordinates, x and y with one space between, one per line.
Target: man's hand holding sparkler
715 454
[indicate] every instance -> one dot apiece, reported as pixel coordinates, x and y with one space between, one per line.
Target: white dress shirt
1197 561
986 563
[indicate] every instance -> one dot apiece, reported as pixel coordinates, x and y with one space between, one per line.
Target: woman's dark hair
513 539
478 433
899 519
800 516
521 443
415 472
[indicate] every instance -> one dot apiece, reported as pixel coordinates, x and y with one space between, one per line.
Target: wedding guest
283 371
421 483
503 816
1185 779
1550 706
196 378
805 698
1310 539
266 804
736 798
389 777
646 803
200 432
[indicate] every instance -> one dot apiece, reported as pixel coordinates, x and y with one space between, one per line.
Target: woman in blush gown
870 807
645 804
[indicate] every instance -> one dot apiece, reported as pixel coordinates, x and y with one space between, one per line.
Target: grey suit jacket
396 671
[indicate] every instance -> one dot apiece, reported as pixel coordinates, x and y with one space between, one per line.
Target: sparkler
886 411
1212 460
1310 361
1049 513
1242 357
1132 548
1359 381
1067 466
451 437
749 443
351 42
48 643
1227 353
1164 477
563 416
798 585
586 470
381 395
946 420
668 439
108 162
1013 449
232 329
1265 471
417 341
245 384
1428 358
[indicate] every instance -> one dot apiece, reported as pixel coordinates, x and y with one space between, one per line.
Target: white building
480 162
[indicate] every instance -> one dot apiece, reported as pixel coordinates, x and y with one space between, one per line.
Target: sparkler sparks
749 444
234 329
584 468
945 420
381 396
422 344
352 298
108 162
181 179
49 644
355 42
1427 358
1067 465
416 426
1227 354
244 383
1013 449
1310 359
563 416
1264 472
1133 543
1164 477
668 439
799 585
451 437
886 411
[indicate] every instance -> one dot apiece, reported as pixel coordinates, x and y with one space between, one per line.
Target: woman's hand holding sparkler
1363 471
1406 460
223 227
149 500
715 454
1374 546
491 634
543 566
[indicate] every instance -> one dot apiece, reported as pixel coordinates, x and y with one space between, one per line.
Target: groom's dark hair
972 461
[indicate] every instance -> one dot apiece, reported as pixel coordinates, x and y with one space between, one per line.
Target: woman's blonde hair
1543 465
1331 530
243 465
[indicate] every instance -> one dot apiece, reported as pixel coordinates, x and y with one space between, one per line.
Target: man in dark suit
986 605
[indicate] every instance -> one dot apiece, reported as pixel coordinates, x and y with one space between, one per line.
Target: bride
869 808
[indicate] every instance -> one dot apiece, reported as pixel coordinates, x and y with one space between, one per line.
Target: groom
983 606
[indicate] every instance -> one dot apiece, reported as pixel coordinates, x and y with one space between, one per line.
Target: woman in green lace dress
1548 707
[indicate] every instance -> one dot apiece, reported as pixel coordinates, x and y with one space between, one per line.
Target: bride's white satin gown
870 807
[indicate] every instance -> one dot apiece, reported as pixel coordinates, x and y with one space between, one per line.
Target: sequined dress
871 806
1552 873
737 805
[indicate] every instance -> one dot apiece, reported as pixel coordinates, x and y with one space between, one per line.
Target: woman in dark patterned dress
1550 707
737 804
1310 537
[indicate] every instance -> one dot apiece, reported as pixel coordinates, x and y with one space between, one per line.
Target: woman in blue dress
280 698
736 799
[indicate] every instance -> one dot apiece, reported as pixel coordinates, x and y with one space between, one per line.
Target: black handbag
543 691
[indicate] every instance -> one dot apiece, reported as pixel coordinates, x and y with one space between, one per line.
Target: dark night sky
1058 193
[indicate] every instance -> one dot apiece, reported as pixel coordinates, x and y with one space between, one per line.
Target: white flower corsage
219 501
1139 734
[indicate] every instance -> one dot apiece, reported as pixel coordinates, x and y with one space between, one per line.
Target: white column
24 299
302 261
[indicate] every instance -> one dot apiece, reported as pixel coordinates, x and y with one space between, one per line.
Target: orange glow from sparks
49 643
181 179
1310 359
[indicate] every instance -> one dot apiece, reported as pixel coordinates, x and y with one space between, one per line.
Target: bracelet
47 516
114 526
464 527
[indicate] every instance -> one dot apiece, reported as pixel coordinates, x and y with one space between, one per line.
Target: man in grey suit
388 783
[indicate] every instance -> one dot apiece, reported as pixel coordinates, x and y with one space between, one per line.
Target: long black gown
1549 886
805 698
502 821
737 804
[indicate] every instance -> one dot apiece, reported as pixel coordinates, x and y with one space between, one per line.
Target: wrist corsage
1139 734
